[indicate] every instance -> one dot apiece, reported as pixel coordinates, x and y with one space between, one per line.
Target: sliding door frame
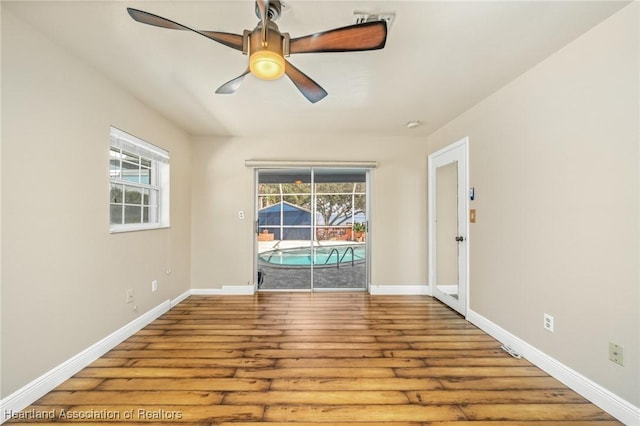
312 170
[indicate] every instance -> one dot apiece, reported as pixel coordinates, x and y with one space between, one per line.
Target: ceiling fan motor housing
266 59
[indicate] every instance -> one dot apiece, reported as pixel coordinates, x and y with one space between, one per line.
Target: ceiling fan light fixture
266 64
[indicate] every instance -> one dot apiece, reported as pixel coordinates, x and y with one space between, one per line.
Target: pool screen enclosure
311 229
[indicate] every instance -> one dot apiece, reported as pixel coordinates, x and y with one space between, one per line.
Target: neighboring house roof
286 207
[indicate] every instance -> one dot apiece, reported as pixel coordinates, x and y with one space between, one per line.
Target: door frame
367 167
456 151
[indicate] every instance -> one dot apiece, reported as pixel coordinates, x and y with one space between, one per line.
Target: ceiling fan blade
231 40
358 37
232 85
309 88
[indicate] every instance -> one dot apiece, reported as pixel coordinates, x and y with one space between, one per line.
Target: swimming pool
322 256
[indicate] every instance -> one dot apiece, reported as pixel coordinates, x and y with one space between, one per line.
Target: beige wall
555 163
222 245
64 276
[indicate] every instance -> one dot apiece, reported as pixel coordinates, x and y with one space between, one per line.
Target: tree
274 193
337 203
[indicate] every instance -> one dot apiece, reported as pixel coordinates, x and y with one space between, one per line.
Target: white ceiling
441 58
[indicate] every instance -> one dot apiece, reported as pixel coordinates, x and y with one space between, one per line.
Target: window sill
120 229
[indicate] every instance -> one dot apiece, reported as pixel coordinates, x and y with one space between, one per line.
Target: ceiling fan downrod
273 9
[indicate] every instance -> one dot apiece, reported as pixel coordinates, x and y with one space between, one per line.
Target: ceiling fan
267 47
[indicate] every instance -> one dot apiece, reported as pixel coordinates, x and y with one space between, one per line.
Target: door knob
459 239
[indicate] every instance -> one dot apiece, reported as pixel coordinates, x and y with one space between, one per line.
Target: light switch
472 215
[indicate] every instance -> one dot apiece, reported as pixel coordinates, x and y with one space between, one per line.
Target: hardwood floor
313 358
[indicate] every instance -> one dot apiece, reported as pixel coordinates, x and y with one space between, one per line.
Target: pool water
321 256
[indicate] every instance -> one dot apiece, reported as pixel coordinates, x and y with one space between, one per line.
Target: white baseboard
235 290
180 298
226 290
39 387
400 290
603 398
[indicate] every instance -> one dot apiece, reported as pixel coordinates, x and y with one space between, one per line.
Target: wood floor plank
505 361
450 337
319 353
497 383
135 372
467 372
444 353
349 362
177 353
149 332
79 384
109 362
304 359
213 331
347 413
437 397
315 338
201 362
473 345
431 423
192 339
175 413
577 412
525 423
124 423
131 397
466 331
355 384
346 333
323 345
317 398
395 423
450 325
332 372
212 346
223 327
199 384
130 345
316 423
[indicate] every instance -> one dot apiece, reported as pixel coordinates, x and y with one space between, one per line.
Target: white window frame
158 183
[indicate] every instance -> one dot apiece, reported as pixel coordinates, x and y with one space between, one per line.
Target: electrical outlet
154 285
548 322
616 353
241 214
130 295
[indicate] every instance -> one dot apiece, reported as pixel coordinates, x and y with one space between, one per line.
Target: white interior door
448 225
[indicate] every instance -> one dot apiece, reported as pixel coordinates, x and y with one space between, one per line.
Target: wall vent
362 17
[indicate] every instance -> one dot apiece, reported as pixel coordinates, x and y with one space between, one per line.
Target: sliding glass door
340 201
284 229
312 229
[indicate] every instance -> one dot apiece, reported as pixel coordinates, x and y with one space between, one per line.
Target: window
139 184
